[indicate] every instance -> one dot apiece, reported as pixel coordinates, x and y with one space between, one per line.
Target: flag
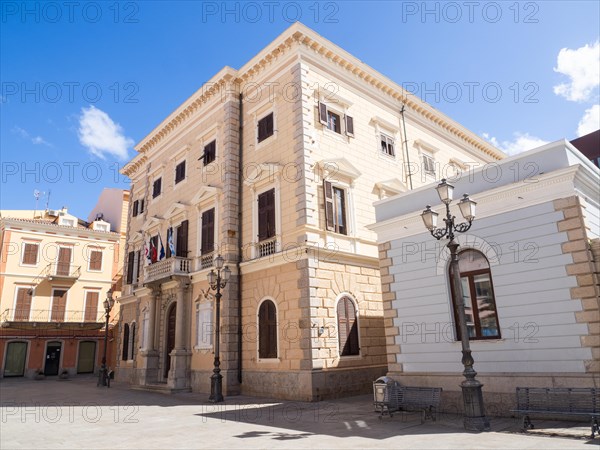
170 242
162 248
147 254
152 251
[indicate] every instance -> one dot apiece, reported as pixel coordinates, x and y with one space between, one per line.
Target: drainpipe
240 251
406 147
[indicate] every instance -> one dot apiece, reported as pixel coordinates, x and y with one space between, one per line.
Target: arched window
347 327
131 352
267 330
125 352
478 296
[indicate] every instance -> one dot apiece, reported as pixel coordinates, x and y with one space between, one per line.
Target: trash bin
385 395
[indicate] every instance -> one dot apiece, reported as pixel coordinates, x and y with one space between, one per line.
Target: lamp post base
102 376
475 419
216 387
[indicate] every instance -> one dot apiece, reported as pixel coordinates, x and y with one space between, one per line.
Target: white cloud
101 135
590 121
582 66
36 140
521 142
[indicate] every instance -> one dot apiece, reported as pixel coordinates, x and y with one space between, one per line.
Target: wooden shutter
328 195
64 261
349 125
208 232
124 354
130 262
23 306
182 239
59 303
180 172
266 215
323 113
91 306
347 327
30 252
136 206
210 152
96 260
267 325
132 341
141 206
138 259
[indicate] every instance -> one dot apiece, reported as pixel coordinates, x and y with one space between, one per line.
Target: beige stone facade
329 114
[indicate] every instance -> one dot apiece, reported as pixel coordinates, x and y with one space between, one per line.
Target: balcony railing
166 268
205 261
62 270
51 315
266 247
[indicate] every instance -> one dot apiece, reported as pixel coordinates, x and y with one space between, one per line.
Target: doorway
16 354
87 355
170 344
52 358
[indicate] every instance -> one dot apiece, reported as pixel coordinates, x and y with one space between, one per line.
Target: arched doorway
170 341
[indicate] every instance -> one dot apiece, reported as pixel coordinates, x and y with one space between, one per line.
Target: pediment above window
151 222
137 237
421 144
257 174
205 193
333 168
176 209
390 187
385 125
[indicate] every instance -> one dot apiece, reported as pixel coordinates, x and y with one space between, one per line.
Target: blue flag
170 242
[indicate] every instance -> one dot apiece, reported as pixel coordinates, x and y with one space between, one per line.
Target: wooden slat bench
423 399
558 401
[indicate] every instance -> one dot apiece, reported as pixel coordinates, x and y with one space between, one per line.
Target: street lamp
217 281
471 388
108 304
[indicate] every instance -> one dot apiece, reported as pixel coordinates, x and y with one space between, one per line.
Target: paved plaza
77 414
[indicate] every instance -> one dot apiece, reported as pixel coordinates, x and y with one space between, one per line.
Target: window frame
334 227
471 283
383 136
255 219
37 254
52 296
85 299
125 343
201 232
89 265
178 164
205 154
16 298
354 303
346 122
263 116
258 331
154 180
204 308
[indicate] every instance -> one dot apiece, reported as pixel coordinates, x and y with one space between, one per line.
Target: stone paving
78 414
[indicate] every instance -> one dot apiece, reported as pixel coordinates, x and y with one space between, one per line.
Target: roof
589 145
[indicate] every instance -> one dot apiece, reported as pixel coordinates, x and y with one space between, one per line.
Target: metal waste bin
386 395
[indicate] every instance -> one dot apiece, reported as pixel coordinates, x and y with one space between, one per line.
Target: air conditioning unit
52 212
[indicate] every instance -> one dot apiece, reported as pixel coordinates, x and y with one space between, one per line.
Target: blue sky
82 84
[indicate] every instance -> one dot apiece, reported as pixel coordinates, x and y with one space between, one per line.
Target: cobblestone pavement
78 414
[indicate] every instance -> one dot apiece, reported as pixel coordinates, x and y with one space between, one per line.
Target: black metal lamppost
108 305
471 388
217 281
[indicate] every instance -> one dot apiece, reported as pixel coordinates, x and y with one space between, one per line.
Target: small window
333 120
204 325
67 222
265 127
30 254
131 344
428 164
100 227
91 306
125 348
156 187
267 330
210 153
23 306
180 172
266 215
141 206
135 209
347 327
95 262
478 296
130 265
335 208
387 145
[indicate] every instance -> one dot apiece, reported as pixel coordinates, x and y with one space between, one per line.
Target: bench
407 398
578 402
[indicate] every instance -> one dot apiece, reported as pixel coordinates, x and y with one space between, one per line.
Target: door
64 261
87 355
59 304
170 338
16 353
52 358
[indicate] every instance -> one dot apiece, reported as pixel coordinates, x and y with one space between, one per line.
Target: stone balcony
164 270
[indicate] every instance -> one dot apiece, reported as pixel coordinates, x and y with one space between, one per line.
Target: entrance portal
52 358
170 338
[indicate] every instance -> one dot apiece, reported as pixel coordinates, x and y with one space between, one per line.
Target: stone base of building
498 389
200 381
311 386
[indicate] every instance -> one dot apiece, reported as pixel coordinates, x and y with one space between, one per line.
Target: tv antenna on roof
37 194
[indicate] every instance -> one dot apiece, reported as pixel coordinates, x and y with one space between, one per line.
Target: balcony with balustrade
54 318
166 269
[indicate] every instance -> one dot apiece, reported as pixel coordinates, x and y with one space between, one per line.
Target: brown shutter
124 353
328 195
59 303
138 257
91 306
23 306
136 206
267 328
182 239
266 215
349 125
208 232
30 254
64 261
141 206
323 113
347 327
130 262
96 260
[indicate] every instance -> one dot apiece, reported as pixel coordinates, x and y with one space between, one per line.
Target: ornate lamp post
471 388
108 305
217 281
